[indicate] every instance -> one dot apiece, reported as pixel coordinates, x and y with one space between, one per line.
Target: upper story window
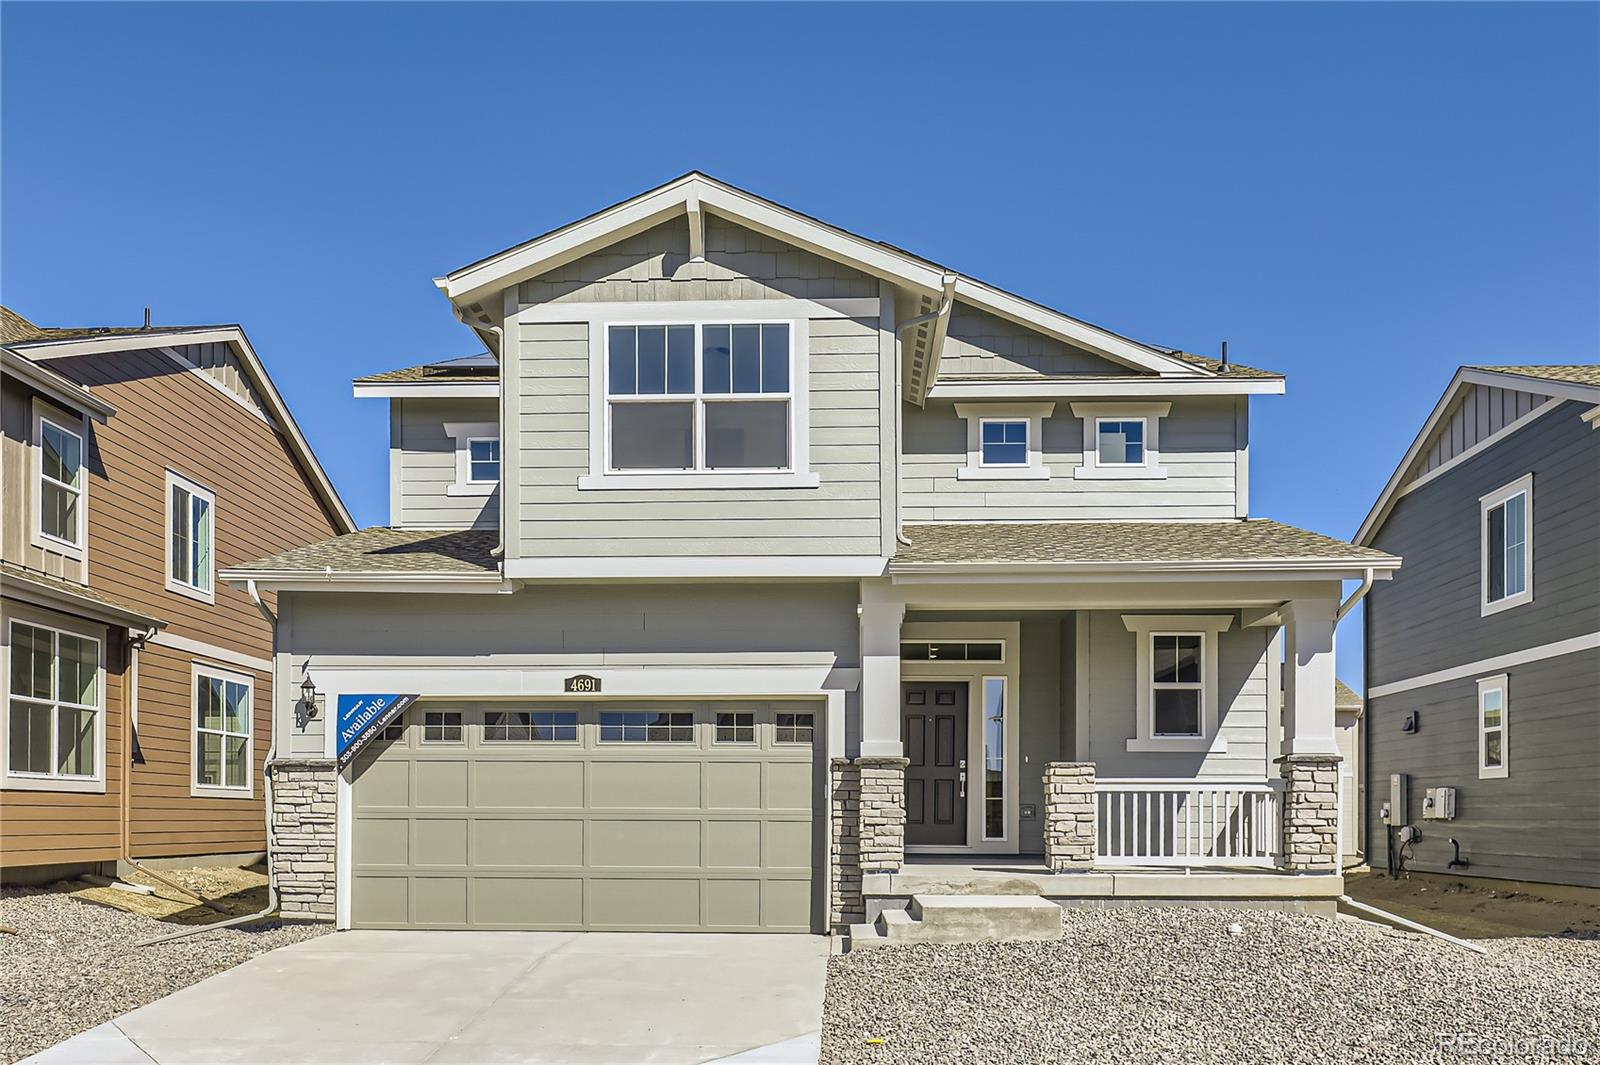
483 460
1121 440
190 537
1506 570
477 458
52 733
1004 441
61 484
728 409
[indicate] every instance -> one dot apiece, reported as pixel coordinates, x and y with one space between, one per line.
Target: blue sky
1362 196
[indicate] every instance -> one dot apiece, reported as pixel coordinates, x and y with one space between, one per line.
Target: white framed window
794 728
191 564
223 743
477 458
1494 726
54 738
1005 441
994 758
707 402
61 485
1506 547
1176 681
1121 441
737 727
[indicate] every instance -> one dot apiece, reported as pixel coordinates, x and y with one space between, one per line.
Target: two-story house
758 562
1483 658
134 464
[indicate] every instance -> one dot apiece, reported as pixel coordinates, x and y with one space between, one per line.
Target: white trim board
211 651
1107 388
847 567
429 390
623 312
1487 442
1499 663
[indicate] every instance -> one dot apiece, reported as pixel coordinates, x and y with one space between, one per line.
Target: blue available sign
362 717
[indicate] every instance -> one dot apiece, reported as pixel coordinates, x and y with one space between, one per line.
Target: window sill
1492 774
209 791
57 546
1508 603
13 782
1120 473
480 488
627 482
1177 745
1003 473
191 592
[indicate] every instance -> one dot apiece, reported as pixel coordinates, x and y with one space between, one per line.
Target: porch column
1310 761
880 672
1069 822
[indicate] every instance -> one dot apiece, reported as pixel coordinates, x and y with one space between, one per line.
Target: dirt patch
235 891
1472 910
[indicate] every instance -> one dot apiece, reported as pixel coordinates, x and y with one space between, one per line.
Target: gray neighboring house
1483 655
760 568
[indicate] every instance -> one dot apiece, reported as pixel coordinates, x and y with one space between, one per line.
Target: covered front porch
1099 733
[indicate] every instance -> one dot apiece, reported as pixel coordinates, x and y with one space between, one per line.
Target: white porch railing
1188 823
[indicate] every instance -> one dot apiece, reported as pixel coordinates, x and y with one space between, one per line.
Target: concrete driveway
355 997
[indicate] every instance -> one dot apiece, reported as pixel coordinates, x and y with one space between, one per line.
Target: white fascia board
407 584
814 567
59 389
430 390
254 369
1273 569
1058 388
1538 385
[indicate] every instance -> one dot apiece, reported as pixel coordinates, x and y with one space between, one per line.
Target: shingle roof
1250 540
469 368
59 588
381 550
1344 697
1233 369
1580 374
15 329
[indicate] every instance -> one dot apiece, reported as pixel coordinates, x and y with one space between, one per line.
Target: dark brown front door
933 726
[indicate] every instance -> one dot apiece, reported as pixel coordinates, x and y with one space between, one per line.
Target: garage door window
441 726
736 728
795 728
646 726
531 727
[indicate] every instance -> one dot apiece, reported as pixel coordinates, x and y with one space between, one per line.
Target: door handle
963 783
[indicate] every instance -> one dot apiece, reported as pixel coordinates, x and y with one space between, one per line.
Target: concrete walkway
356 997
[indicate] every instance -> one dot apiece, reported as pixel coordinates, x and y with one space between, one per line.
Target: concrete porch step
962 919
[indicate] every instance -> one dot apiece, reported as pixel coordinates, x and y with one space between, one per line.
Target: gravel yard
1175 985
72 964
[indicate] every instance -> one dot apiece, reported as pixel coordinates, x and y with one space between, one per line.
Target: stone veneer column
868 829
1310 813
1069 828
304 797
845 905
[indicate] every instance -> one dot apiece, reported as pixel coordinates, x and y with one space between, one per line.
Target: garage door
596 816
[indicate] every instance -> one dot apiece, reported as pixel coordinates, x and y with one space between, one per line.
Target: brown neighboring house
135 464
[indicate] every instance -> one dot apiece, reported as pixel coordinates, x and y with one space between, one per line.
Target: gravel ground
72 964
1175 985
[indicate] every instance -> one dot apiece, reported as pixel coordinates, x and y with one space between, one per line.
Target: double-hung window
1177 687
190 536
1506 578
483 460
222 719
1493 707
705 397
60 484
1176 670
53 712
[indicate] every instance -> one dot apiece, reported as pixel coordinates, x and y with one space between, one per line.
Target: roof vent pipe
1224 356
147 317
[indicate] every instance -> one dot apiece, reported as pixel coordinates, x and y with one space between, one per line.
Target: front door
933 727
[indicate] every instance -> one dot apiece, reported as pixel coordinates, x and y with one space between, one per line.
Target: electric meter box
1439 804
1397 799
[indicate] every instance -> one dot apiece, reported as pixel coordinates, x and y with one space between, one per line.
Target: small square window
441 727
1004 443
1120 442
392 733
483 461
795 728
736 728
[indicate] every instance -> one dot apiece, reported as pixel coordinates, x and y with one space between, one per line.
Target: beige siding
427 464
842 516
981 344
1197 448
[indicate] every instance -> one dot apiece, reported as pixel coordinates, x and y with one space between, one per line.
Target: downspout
499 549
948 282
272 752
130 715
1355 597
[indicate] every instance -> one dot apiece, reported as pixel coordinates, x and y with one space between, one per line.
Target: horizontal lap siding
1540 822
46 827
840 517
165 819
1197 449
428 464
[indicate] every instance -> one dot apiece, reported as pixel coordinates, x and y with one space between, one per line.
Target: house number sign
582 684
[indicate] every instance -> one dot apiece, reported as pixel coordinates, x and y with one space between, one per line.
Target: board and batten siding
1108 655
1541 821
19 518
425 460
1480 412
843 516
1198 440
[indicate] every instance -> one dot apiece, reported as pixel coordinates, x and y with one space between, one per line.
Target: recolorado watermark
1506 1045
